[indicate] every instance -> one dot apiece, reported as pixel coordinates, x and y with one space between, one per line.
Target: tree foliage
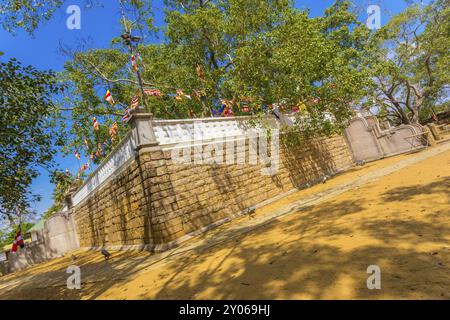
410 59
27 138
252 52
26 14
29 117
62 182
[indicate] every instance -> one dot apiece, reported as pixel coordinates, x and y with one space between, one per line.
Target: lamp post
141 120
128 40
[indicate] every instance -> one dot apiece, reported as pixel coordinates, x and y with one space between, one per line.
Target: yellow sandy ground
400 222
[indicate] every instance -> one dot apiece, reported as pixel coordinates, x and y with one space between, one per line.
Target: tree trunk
415 117
405 118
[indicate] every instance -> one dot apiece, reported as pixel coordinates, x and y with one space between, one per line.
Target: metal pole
141 85
129 41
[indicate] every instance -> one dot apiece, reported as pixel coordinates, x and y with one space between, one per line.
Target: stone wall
116 213
368 141
59 234
57 238
154 202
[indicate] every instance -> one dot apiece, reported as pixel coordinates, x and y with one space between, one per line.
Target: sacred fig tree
246 55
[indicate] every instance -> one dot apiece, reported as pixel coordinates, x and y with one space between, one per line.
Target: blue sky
100 25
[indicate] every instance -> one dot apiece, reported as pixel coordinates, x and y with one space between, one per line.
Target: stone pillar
142 129
429 136
71 191
162 223
434 131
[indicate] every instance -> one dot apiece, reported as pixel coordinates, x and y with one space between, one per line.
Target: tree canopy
26 14
30 119
254 53
27 138
410 59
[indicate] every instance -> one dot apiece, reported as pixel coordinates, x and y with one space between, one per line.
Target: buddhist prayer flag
18 241
179 96
134 63
99 149
113 131
153 92
77 155
96 124
221 111
215 113
126 116
134 102
227 110
224 106
109 98
86 144
302 107
200 72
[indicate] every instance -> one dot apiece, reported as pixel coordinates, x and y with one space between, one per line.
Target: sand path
312 244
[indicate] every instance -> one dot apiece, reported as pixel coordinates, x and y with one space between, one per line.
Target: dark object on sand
250 211
106 254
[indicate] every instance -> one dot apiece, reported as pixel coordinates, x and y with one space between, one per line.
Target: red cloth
18 242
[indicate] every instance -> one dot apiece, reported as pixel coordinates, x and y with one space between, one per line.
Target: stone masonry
153 202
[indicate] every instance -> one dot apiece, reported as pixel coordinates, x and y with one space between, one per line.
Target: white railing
116 159
169 132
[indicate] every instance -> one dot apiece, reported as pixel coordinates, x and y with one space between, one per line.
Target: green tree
309 62
410 59
62 181
255 52
27 136
26 14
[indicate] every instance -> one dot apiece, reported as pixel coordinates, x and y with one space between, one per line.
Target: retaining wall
153 201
